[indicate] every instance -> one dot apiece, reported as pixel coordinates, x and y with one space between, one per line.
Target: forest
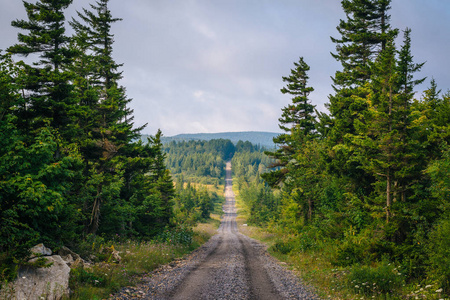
73 170
367 182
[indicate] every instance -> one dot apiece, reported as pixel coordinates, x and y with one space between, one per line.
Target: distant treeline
204 161
263 139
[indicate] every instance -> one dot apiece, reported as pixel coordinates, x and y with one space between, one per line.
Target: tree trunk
310 209
388 195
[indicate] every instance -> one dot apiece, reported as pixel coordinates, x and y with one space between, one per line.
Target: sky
206 66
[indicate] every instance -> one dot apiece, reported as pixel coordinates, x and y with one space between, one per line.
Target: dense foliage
199 159
370 179
69 168
203 161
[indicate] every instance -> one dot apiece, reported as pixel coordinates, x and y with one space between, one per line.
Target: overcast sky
216 65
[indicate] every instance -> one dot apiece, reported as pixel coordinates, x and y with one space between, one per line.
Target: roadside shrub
91 247
349 253
179 235
306 241
283 247
8 269
439 250
80 275
380 280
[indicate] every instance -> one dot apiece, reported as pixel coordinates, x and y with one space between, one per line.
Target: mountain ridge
262 138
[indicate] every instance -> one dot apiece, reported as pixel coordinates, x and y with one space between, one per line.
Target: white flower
439 291
357 286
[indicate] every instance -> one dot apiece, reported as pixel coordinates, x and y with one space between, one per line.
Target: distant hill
261 138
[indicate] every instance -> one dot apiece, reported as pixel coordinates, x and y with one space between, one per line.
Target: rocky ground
229 266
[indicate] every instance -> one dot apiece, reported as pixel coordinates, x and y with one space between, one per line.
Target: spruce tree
412 157
48 85
364 34
386 132
108 126
162 180
297 120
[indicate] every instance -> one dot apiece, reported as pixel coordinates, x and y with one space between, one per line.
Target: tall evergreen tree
47 82
364 34
412 157
386 131
108 126
297 120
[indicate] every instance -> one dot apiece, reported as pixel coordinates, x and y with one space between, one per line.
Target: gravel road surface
229 266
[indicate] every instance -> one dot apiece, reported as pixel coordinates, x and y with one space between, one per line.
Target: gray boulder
40 283
50 283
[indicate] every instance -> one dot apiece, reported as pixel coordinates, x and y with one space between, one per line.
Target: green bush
91 247
439 250
283 247
179 235
349 253
380 280
80 275
306 241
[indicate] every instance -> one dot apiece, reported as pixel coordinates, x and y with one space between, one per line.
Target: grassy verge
102 279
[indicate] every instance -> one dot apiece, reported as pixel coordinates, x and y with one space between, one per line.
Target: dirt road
229 266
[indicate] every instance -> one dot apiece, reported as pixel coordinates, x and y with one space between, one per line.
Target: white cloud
211 66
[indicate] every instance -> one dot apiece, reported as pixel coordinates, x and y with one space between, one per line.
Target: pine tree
297 120
108 127
162 180
364 34
386 133
47 83
412 157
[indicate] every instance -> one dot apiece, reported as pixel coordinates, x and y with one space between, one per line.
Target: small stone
40 249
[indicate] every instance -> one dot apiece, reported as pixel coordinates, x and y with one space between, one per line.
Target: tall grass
138 258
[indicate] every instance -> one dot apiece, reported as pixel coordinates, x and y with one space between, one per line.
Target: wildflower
357 286
439 290
428 286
